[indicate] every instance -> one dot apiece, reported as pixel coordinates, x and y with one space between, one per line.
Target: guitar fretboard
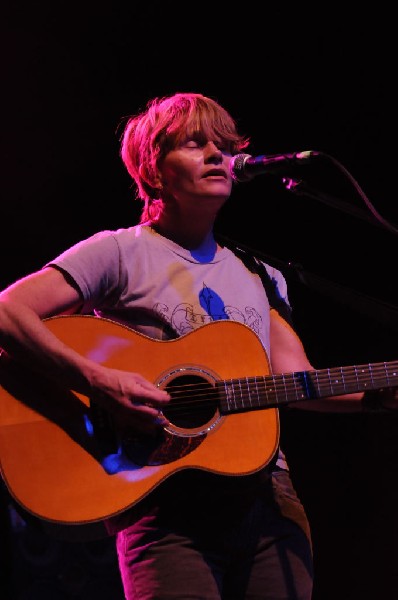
254 393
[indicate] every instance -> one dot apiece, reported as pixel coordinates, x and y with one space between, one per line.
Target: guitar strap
255 265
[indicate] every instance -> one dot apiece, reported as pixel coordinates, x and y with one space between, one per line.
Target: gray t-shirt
137 277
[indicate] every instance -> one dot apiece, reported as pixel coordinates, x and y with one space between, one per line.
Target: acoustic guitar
62 460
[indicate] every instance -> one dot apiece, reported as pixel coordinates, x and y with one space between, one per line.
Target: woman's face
196 169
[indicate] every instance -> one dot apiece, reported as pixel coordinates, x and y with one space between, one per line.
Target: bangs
196 116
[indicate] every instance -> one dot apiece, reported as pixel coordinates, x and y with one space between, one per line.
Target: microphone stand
378 310
300 188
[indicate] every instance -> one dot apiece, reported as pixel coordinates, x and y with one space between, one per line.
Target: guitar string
298 385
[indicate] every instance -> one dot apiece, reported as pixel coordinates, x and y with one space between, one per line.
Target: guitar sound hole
193 402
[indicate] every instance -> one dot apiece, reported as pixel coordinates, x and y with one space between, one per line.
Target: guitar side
51 461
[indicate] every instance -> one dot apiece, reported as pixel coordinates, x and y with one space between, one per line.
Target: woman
200 533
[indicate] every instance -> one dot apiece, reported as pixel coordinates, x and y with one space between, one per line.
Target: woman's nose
213 151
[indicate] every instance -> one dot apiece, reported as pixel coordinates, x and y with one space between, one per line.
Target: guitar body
62 465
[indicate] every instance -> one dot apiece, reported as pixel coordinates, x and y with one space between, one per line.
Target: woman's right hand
134 402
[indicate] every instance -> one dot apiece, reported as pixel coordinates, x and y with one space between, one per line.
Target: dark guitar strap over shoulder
255 265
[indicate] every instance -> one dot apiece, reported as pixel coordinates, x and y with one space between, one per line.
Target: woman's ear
157 182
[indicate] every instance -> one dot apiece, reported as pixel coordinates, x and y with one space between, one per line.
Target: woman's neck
191 237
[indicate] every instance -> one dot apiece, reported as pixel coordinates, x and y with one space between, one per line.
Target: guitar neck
271 391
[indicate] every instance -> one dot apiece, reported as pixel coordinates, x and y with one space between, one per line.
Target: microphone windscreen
237 167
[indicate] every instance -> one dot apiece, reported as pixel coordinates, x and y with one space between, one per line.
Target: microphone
244 167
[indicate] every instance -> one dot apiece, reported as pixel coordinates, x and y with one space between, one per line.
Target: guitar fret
298 394
329 382
342 379
262 390
284 385
371 376
386 373
257 392
387 376
248 391
304 385
318 386
270 391
356 376
230 395
337 382
381 378
240 395
363 371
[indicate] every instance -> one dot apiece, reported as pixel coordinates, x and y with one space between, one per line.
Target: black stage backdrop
295 79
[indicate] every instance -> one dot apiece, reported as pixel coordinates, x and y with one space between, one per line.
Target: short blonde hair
150 135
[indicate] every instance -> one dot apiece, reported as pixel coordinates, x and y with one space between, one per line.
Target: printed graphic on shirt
186 317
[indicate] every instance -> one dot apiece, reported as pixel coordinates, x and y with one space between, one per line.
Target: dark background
295 79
